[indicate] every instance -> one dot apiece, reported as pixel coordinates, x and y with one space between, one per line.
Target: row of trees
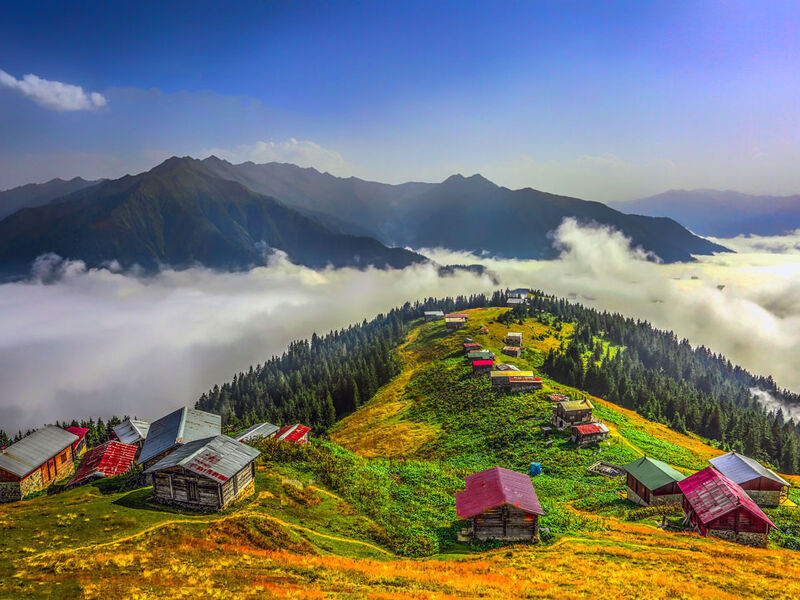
666 380
320 380
99 431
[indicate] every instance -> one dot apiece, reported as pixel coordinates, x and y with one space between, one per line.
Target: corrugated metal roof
259 430
653 473
472 355
179 427
457 316
510 348
515 301
80 432
496 487
292 433
131 431
106 460
514 334
481 362
712 495
590 428
740 468
471 345
512 373
218 458
34 450
559 398
434 313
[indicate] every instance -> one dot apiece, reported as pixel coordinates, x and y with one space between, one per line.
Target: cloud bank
101 342
54 95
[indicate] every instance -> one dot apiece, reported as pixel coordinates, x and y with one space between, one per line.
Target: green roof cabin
651 482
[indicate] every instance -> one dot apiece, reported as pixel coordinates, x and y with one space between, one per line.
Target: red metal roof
469 345
712 495
457 316
80 432
590 428
106 460
483 363
496 487
524 379
292 433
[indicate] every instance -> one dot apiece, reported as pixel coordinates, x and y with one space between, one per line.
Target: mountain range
180 214
722 213
211 212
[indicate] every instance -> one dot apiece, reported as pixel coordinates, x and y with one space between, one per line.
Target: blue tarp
535 469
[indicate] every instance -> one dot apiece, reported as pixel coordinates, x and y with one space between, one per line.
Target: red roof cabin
106 460
79 446
482 366
501 504
470 346
589 434
715 505
293 433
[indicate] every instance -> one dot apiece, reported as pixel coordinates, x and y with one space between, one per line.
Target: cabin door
504 516
191 491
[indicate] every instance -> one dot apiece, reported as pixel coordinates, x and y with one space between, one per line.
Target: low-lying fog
78 343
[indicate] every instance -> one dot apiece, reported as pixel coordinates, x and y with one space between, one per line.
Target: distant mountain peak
476 179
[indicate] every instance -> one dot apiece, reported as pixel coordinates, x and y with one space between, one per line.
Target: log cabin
433 315
456 320
513 339
500 377
572 412
36 461
501 505
512 350
79 446
256 432
651 482
482 366
132 431
763 485
471 346
589 434
293 433
716 506
175 429
106 460
205 475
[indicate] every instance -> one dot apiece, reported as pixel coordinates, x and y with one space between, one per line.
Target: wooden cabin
256 432
501 505
456 320
36 461
572 412
106 460
513 338
515 380
471 346
763 485
651 482
179 427
589 434
716 506
79 446
293 433
206 475
433 315
132 431
480 355
512 350
482 366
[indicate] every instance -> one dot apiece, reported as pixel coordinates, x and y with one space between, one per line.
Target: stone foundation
32 483
634 497
765 498
666 499
10 491
759 540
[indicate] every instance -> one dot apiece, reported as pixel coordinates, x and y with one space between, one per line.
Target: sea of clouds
76 343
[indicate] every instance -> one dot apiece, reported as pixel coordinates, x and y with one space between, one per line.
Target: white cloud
53 94
100 342
303 153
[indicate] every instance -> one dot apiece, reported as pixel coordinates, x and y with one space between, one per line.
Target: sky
607 101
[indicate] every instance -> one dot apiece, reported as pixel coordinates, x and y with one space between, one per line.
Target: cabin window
63 458
191 490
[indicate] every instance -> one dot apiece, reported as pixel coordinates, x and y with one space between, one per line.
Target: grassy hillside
370 512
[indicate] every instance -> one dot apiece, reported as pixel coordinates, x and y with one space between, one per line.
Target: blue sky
604 100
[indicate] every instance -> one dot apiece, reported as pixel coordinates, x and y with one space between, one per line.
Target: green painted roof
653 473
480 354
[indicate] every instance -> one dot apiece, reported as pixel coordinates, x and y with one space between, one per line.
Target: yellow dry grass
377 429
